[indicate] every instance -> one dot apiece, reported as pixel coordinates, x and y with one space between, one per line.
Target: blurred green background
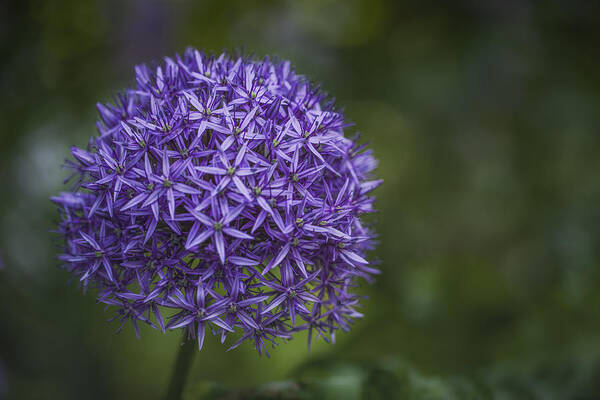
484 116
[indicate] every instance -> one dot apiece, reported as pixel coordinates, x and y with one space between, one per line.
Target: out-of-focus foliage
484 117
390 379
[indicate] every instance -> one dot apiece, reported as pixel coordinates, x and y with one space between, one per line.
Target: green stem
185 356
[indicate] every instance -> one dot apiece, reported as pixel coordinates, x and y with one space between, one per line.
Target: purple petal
277 260
220 245
242 261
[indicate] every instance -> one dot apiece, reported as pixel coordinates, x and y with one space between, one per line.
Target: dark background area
485 118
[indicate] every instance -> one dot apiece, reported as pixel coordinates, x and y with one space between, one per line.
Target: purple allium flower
221 195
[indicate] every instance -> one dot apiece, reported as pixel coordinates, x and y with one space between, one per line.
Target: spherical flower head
221 195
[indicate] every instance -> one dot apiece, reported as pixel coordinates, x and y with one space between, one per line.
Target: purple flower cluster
221 195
